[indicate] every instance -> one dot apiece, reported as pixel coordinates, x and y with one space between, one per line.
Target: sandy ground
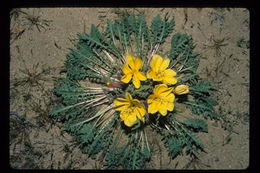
39 42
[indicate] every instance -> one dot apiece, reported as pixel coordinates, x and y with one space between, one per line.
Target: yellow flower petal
153 107
162 107
148 74
170 106
161 100
158 63
131 61
158 89
136 102
136 82
123 115
126 78
130 120
169 80
159 71
126 69
140 75
151 74
169 72
166 92
170 97
121 104
138 63
142 119
181 89
128 97
140 111
120 101
153 60
163 90
164 64
121 108
163 112
129 109
151 98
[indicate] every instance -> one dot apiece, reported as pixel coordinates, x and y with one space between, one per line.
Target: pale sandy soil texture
39 42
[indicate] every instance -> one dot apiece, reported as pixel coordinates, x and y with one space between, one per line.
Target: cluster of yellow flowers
163 96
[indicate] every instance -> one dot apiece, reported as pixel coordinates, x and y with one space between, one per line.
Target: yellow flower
159 71
161 100
130 109
131 70
181 89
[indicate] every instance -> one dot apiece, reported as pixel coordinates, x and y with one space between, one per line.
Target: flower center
160 74
129 110
160 99
134 71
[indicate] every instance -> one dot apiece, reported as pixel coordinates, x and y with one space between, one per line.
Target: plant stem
95 116
146 141
107 116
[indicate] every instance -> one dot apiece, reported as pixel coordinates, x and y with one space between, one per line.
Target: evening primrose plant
121 86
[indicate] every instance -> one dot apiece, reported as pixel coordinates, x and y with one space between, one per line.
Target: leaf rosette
118 85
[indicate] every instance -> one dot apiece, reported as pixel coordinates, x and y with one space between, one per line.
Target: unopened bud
181 89
113 84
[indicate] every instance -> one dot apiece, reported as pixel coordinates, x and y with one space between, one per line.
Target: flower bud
181 89
113 84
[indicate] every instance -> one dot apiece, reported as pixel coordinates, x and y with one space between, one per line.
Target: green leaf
196 124
136 125
180 43
202 87
161 29
175 146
